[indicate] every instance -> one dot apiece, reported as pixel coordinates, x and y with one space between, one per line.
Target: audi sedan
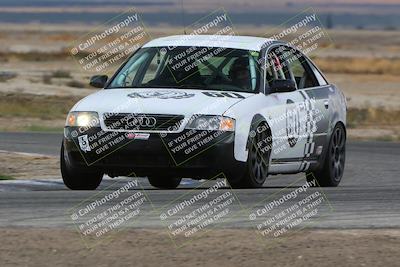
241 109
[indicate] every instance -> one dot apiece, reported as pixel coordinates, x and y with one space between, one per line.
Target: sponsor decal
292 123
138 136
223 94
166 94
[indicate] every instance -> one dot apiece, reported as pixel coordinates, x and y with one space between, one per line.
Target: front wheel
164 182
77 178
332 171
258 160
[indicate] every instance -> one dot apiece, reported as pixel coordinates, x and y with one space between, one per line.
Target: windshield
203 68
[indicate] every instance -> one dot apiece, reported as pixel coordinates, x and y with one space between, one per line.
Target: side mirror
282 86
98 81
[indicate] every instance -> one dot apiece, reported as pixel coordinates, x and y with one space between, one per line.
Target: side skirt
290 166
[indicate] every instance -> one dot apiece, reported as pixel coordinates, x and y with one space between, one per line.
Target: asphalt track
368 197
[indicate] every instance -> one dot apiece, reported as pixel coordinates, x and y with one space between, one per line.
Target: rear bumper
199 158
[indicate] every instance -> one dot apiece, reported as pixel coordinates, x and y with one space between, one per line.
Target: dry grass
5 177
357 117
77 84
359 65
30 124
61 74
33 56
36 106
373 124
5 76
14 165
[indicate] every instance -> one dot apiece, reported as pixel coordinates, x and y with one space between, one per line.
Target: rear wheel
164 182
77 178
258 160
332 171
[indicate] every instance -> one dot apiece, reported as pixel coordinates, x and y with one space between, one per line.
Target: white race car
203 107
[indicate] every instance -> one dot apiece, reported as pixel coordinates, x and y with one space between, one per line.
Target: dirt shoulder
28 166
57 247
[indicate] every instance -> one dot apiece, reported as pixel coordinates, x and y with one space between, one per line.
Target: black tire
257 161
164 182
332 171
77 178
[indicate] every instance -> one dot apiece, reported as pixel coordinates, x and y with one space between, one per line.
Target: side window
300 69
274 69
318 75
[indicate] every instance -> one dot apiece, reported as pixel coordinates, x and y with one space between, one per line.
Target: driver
239 73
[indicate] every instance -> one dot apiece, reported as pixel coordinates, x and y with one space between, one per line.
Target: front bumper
204 154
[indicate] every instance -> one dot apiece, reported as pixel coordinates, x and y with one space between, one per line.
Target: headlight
209 122
83 119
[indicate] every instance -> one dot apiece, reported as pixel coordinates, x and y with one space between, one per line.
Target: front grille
148 122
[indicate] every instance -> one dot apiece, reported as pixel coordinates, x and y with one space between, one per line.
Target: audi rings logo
142 121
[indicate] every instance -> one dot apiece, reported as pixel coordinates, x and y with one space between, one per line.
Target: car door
285 117
314 107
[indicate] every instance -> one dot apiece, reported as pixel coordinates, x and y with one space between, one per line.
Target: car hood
161 101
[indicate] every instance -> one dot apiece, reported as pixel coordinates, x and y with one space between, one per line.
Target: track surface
368 197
